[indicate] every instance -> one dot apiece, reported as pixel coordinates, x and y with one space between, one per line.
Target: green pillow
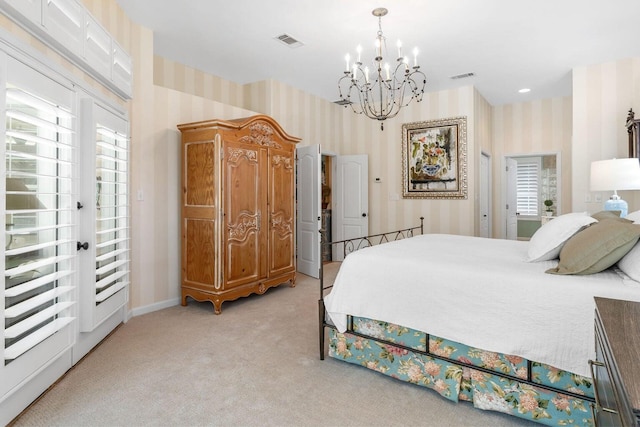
597 247
606 215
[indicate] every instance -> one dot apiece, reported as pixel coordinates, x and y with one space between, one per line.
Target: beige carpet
256 364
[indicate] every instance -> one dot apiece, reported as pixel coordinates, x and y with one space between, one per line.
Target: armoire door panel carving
281 239
244 201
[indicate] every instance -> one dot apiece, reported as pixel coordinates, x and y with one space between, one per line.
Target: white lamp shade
615 174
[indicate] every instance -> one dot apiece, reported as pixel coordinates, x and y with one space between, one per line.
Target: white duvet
478 292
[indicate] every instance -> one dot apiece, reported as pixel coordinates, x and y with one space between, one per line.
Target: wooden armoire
238 208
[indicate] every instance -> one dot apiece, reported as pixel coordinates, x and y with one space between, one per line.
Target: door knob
364 215
84 245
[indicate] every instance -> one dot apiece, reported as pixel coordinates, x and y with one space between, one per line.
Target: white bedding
478 292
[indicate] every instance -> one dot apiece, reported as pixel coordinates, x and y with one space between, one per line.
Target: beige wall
541 126
196 82
166 94
339 130
602 95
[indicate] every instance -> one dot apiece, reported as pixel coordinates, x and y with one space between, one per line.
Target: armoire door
245 213
281 212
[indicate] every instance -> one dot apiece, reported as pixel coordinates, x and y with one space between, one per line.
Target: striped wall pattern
602 95
340 131
195 82
536 127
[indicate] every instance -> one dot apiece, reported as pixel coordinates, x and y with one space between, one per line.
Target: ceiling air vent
462 76
289 40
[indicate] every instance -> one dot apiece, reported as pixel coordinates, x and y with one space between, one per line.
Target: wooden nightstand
616 370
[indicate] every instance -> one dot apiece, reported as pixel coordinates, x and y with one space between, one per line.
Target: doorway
332 196
536 193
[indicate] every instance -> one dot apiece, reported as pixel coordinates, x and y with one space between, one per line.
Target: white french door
39 283
104 214
66 214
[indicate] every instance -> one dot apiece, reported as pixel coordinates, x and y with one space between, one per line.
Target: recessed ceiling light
524 90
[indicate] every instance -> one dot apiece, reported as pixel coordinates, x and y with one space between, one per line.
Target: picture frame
434 159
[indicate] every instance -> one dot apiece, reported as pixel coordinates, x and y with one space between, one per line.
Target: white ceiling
508 44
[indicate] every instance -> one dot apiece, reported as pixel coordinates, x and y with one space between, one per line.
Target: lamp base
615 203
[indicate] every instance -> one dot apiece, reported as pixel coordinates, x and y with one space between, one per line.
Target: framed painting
434 159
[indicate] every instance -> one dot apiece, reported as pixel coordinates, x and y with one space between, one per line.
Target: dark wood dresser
616 370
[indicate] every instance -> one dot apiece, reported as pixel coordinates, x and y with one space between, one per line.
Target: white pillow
634 216
548 240
630 263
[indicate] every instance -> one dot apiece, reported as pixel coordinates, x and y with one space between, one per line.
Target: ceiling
507 44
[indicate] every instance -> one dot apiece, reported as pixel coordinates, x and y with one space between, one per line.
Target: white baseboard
139 311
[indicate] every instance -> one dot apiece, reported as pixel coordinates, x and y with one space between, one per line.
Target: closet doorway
332 196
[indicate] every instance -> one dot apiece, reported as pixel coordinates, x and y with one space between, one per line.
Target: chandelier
379 93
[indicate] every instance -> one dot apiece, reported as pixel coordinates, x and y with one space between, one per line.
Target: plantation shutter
112 206
39 290
105 219
528 180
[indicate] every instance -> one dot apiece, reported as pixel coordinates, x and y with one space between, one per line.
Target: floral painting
434 159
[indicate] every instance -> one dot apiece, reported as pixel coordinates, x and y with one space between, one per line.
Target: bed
503 324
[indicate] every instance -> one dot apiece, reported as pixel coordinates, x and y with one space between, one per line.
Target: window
528 193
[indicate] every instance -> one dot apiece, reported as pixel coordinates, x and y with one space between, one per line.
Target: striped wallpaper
536 127
582 128
602 95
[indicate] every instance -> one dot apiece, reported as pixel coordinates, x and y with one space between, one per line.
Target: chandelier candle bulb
415 57
366 74
359 50
347 58
399 49
386 67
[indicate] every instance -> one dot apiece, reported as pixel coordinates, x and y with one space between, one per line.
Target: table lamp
615 174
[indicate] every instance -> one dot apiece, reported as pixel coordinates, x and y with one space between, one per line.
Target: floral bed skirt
485 390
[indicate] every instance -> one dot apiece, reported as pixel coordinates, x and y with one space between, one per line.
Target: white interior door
485 196
308 216
511 207
351 202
